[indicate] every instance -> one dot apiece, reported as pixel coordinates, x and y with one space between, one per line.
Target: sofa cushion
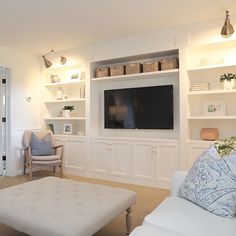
41 146
182 216
211 183
147 230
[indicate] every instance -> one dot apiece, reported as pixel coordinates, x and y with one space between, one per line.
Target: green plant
226 146
228 76
71 108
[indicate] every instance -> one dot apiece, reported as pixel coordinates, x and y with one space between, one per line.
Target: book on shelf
199 86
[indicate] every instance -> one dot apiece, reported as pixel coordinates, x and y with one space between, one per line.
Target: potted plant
67 110
228 80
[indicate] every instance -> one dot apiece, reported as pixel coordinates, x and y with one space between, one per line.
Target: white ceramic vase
66 113
229 84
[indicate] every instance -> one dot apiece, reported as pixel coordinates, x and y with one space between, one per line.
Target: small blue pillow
41 147
211 183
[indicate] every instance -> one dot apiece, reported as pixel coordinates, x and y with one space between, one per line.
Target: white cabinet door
167 161
120 160
101 156
75 154
195 149
144 160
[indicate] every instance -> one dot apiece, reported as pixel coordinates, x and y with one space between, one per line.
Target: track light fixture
48 64
227 29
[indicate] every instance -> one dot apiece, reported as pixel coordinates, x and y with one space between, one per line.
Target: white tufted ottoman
59 207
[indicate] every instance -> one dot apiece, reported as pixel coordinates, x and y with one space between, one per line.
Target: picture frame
214 108
75 75
51 127
67 128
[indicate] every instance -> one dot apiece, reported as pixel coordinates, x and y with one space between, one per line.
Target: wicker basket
150 66
209 134
102 72
133 68
117 70
169 63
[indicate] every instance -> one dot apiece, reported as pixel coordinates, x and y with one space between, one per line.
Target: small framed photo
75 74
214 108
51 127
67 128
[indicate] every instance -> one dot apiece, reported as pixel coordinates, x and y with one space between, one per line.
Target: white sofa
176 216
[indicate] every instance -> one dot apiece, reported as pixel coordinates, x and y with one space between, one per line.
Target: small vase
66 113
59 94
229 84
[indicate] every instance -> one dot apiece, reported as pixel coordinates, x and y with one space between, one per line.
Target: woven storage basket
117 70
209 134
150 66
169 63
133 68
102 72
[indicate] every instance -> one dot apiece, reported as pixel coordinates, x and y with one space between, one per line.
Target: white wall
24 81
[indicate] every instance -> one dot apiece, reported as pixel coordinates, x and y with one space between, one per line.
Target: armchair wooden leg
61 170
129 220
30 172
54 169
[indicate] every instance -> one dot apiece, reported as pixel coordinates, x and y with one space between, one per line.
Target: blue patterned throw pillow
211 183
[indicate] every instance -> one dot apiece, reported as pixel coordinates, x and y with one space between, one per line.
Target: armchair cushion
211 183
46 158
41 146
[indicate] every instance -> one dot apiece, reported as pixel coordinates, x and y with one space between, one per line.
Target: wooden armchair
40 149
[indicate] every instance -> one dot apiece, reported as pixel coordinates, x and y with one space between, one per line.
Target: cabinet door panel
167 161
75 154
120 161
100 156
194 151
143 160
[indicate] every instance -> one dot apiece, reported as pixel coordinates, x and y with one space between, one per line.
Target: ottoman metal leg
129 220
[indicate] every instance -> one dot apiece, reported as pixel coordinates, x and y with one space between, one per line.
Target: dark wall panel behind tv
139 108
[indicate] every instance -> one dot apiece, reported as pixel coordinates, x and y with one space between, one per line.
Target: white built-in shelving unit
139 156
146 75
207 63
74 95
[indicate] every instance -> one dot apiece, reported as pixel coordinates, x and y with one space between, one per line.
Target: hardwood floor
147 199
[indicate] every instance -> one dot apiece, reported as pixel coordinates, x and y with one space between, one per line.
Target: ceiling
37 26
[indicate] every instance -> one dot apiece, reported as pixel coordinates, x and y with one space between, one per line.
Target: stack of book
199 86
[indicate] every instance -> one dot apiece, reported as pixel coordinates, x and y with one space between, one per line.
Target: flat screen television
139 108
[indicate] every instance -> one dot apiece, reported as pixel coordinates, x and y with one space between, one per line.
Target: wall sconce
47 63
227 29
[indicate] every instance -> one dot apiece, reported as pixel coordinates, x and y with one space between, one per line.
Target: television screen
139 108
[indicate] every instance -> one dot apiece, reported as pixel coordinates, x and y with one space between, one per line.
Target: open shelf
67 82
199 141
215 91
64 118
145 75
212 118
67 100
209 67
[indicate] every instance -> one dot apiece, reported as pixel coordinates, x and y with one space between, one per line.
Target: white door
101 156
144 160
4 117
120 161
